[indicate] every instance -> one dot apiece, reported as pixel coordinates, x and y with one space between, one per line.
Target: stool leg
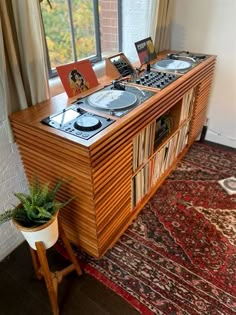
41 252
69 250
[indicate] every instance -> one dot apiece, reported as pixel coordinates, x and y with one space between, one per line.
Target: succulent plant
37 207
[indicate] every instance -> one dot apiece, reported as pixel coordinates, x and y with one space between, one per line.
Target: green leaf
6 216
38 206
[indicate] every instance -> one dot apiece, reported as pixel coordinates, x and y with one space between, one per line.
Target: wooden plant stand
52 279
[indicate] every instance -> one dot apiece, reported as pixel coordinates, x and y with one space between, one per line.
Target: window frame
98 57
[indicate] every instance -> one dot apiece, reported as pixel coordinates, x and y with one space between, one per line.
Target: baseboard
219 139
218 145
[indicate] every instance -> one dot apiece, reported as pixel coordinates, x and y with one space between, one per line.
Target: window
78 29
94 29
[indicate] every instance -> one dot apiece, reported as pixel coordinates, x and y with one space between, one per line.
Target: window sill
56 87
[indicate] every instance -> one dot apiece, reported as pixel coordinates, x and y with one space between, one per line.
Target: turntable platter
112 99
172 65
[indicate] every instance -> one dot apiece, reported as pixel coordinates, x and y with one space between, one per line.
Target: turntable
179 62
114 100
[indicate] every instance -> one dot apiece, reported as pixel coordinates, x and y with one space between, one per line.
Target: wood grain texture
101 169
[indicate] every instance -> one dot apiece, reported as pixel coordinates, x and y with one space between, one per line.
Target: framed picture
77 77
145 49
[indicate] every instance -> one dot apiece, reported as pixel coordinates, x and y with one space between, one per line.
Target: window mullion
120 38
72 30
97 29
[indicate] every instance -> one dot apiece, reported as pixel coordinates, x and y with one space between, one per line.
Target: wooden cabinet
114 173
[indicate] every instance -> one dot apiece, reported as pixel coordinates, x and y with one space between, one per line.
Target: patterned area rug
179 256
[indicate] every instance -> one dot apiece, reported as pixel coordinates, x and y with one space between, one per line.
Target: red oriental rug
179 256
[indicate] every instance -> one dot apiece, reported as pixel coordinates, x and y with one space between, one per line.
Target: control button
85 135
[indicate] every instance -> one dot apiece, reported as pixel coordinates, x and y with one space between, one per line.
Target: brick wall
12 179
109 27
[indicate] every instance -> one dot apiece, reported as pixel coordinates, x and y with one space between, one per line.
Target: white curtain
160 23
23 72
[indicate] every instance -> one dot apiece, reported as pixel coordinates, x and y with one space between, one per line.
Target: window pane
58 32
84 29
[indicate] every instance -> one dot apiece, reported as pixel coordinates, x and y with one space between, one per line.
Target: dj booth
117 141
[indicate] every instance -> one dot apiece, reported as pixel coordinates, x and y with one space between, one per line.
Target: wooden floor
22 294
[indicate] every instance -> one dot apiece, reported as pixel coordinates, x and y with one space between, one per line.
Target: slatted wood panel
51 158
200 108
101 168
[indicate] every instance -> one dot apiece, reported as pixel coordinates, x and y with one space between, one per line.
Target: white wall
135 25
208 26
12 179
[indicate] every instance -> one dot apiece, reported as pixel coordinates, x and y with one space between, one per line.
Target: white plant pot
46 233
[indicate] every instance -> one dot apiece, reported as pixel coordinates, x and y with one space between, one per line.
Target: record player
115 100
179 62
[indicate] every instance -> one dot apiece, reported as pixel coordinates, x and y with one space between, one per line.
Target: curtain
23 72
160 30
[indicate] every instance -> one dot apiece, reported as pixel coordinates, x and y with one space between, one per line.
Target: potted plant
36 215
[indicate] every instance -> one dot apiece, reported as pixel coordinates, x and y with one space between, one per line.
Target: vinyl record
112 99
172 65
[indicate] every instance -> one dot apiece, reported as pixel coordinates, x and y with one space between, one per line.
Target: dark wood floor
22 294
